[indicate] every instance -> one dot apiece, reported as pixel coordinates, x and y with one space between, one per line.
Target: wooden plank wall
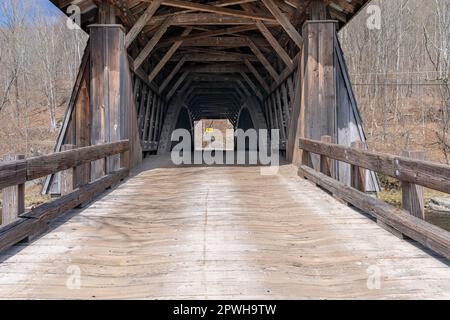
319 83
76 129
113 102
104 69
278 106
151 110
324 104
168 125
349 125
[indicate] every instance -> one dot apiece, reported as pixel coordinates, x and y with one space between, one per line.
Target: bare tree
438 50
13 36
39 59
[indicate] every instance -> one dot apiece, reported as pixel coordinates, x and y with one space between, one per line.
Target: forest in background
400 75
39 59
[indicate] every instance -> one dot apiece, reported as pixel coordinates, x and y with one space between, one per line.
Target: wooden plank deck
219 232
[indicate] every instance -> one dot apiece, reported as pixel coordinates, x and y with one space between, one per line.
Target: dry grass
33 197
393 196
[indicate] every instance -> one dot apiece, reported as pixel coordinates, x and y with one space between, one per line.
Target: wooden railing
412 173
18 225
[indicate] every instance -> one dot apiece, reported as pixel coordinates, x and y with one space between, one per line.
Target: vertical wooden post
325 162
277 99
106 13
107 45
318 10
317 115
412 195
284 96
150 136
13 198
67 176
293 152
161 118
358 175
83 130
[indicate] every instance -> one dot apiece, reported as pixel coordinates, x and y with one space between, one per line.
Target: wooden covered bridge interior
128 223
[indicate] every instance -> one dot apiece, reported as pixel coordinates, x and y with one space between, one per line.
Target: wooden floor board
219 232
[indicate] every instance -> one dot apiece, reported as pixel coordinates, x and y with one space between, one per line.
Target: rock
440 204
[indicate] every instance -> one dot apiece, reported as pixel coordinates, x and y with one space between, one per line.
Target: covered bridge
168 231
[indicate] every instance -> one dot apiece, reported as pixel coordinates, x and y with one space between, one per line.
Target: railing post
358 175
13 198
125 160
412 195
67 176
325 162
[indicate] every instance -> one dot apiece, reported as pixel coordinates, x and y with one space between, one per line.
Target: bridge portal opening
214 134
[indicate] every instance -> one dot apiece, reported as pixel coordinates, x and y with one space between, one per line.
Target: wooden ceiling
251 41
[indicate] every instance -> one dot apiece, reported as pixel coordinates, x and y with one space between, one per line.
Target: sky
45 6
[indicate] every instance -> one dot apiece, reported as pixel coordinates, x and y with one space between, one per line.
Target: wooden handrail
429 235
35 222
21 171
400 222
425 173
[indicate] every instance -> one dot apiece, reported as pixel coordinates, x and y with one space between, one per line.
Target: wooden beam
36 220
67 179
243 88
12 173
358 174
172 74
142 21
148 132
284 22
286 73
318 10
151 44
13 198
326 163
425 173
275 45
213 9
215 68
271 39
212 33
252 85
219 3
207 57
412 195
224 42
262 59
176 85
157 119
167 57
202 18
148 110
42 166
283 123
257 75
